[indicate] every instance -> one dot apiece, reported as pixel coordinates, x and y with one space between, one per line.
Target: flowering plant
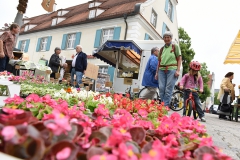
125 133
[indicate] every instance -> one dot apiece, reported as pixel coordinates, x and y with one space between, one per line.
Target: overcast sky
212 25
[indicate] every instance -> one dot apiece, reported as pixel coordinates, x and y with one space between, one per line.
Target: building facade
92 23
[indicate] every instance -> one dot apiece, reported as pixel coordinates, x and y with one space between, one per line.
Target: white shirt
74 60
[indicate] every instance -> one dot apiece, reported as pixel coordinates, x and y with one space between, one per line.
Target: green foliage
186 50
91 105
204 72
216 101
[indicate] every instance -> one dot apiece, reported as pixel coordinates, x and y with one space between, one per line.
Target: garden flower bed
100 127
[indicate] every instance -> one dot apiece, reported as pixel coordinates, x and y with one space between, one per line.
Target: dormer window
94 4
29 26
57 20
95 12
62 12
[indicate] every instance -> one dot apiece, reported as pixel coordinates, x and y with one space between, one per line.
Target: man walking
79 66
149 80
7 43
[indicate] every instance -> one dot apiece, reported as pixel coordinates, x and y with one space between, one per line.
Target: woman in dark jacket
55 62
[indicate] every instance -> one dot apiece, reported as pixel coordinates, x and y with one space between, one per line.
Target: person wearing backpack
193 80
227 86
169 63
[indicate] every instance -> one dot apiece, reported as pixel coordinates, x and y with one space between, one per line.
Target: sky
211 24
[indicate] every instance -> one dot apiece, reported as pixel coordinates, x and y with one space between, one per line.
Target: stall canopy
233 56
129 52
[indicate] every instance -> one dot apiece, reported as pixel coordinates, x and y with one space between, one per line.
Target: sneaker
203 119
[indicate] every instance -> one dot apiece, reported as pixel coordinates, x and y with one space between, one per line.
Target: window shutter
19 44
38 44
27 45
78 37
64 42
166 6
117 31
146 36
172 16
49 43
163 29
98 38
111 73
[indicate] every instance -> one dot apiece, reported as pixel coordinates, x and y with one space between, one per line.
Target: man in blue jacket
79 65
149 80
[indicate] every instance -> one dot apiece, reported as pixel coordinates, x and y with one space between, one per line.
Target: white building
91 24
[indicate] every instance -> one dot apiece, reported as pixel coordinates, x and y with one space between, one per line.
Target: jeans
3 63
166 81
197 103
79 78
73 72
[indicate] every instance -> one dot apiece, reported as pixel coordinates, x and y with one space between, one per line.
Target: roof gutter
125 20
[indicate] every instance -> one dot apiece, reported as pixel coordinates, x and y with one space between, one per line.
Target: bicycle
190 104
177 99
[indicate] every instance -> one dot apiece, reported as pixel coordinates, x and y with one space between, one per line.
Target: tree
216 101
205 73
186 50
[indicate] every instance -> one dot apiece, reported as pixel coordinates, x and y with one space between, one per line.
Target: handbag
57 75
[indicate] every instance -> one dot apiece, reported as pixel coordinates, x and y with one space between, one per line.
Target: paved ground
225 134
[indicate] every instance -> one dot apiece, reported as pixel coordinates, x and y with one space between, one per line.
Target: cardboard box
108 84
92 71
127 81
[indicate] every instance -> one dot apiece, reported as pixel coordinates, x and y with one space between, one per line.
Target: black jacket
81 62
54 63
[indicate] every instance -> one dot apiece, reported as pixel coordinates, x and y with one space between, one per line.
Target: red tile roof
79 14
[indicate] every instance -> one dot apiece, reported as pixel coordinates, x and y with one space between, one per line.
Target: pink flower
63 154
125 152
29 105
143 113
118 136
104 157
12 111
101 122
101 110
15 100
34 98
9 132
208 156
171 140
153 155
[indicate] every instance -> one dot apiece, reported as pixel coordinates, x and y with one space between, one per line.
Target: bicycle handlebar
193 90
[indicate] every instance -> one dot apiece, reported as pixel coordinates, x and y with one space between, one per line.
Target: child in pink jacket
193 80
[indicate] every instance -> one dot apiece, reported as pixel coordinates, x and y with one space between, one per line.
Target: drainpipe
125 20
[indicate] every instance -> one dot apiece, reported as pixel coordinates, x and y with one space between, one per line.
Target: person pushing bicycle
193 81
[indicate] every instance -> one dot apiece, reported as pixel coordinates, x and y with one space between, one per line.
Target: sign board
127 81
92 71
135 90
108 84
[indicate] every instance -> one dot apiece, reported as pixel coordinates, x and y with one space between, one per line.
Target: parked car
213 109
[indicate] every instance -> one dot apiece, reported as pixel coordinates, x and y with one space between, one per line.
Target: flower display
100 126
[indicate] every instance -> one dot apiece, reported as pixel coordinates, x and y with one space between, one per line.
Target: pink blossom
15 100
102 111
101 122
171 139
9 132
118 136
143 113
29 105
63 154
104 157
125 152
208 156
12 111
153 155
33 97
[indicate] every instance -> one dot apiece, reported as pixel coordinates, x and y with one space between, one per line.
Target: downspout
125 20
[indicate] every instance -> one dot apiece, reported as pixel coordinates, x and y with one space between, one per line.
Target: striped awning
233 56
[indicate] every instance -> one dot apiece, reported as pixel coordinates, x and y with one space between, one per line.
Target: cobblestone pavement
225 134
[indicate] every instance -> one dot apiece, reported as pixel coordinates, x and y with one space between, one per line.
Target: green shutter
27 46
146 36
78 37
19 44
98 38
163 29
38 44
166 6
49 43
117 31
64 42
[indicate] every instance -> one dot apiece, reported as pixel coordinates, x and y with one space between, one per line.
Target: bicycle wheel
177 101
189 108
143 92
195 114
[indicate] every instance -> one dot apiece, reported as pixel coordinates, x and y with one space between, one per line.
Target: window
150 38
92 14
107 34
54 21
43 44
91 5
71 40
169 11
153 18
23 45
167 29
